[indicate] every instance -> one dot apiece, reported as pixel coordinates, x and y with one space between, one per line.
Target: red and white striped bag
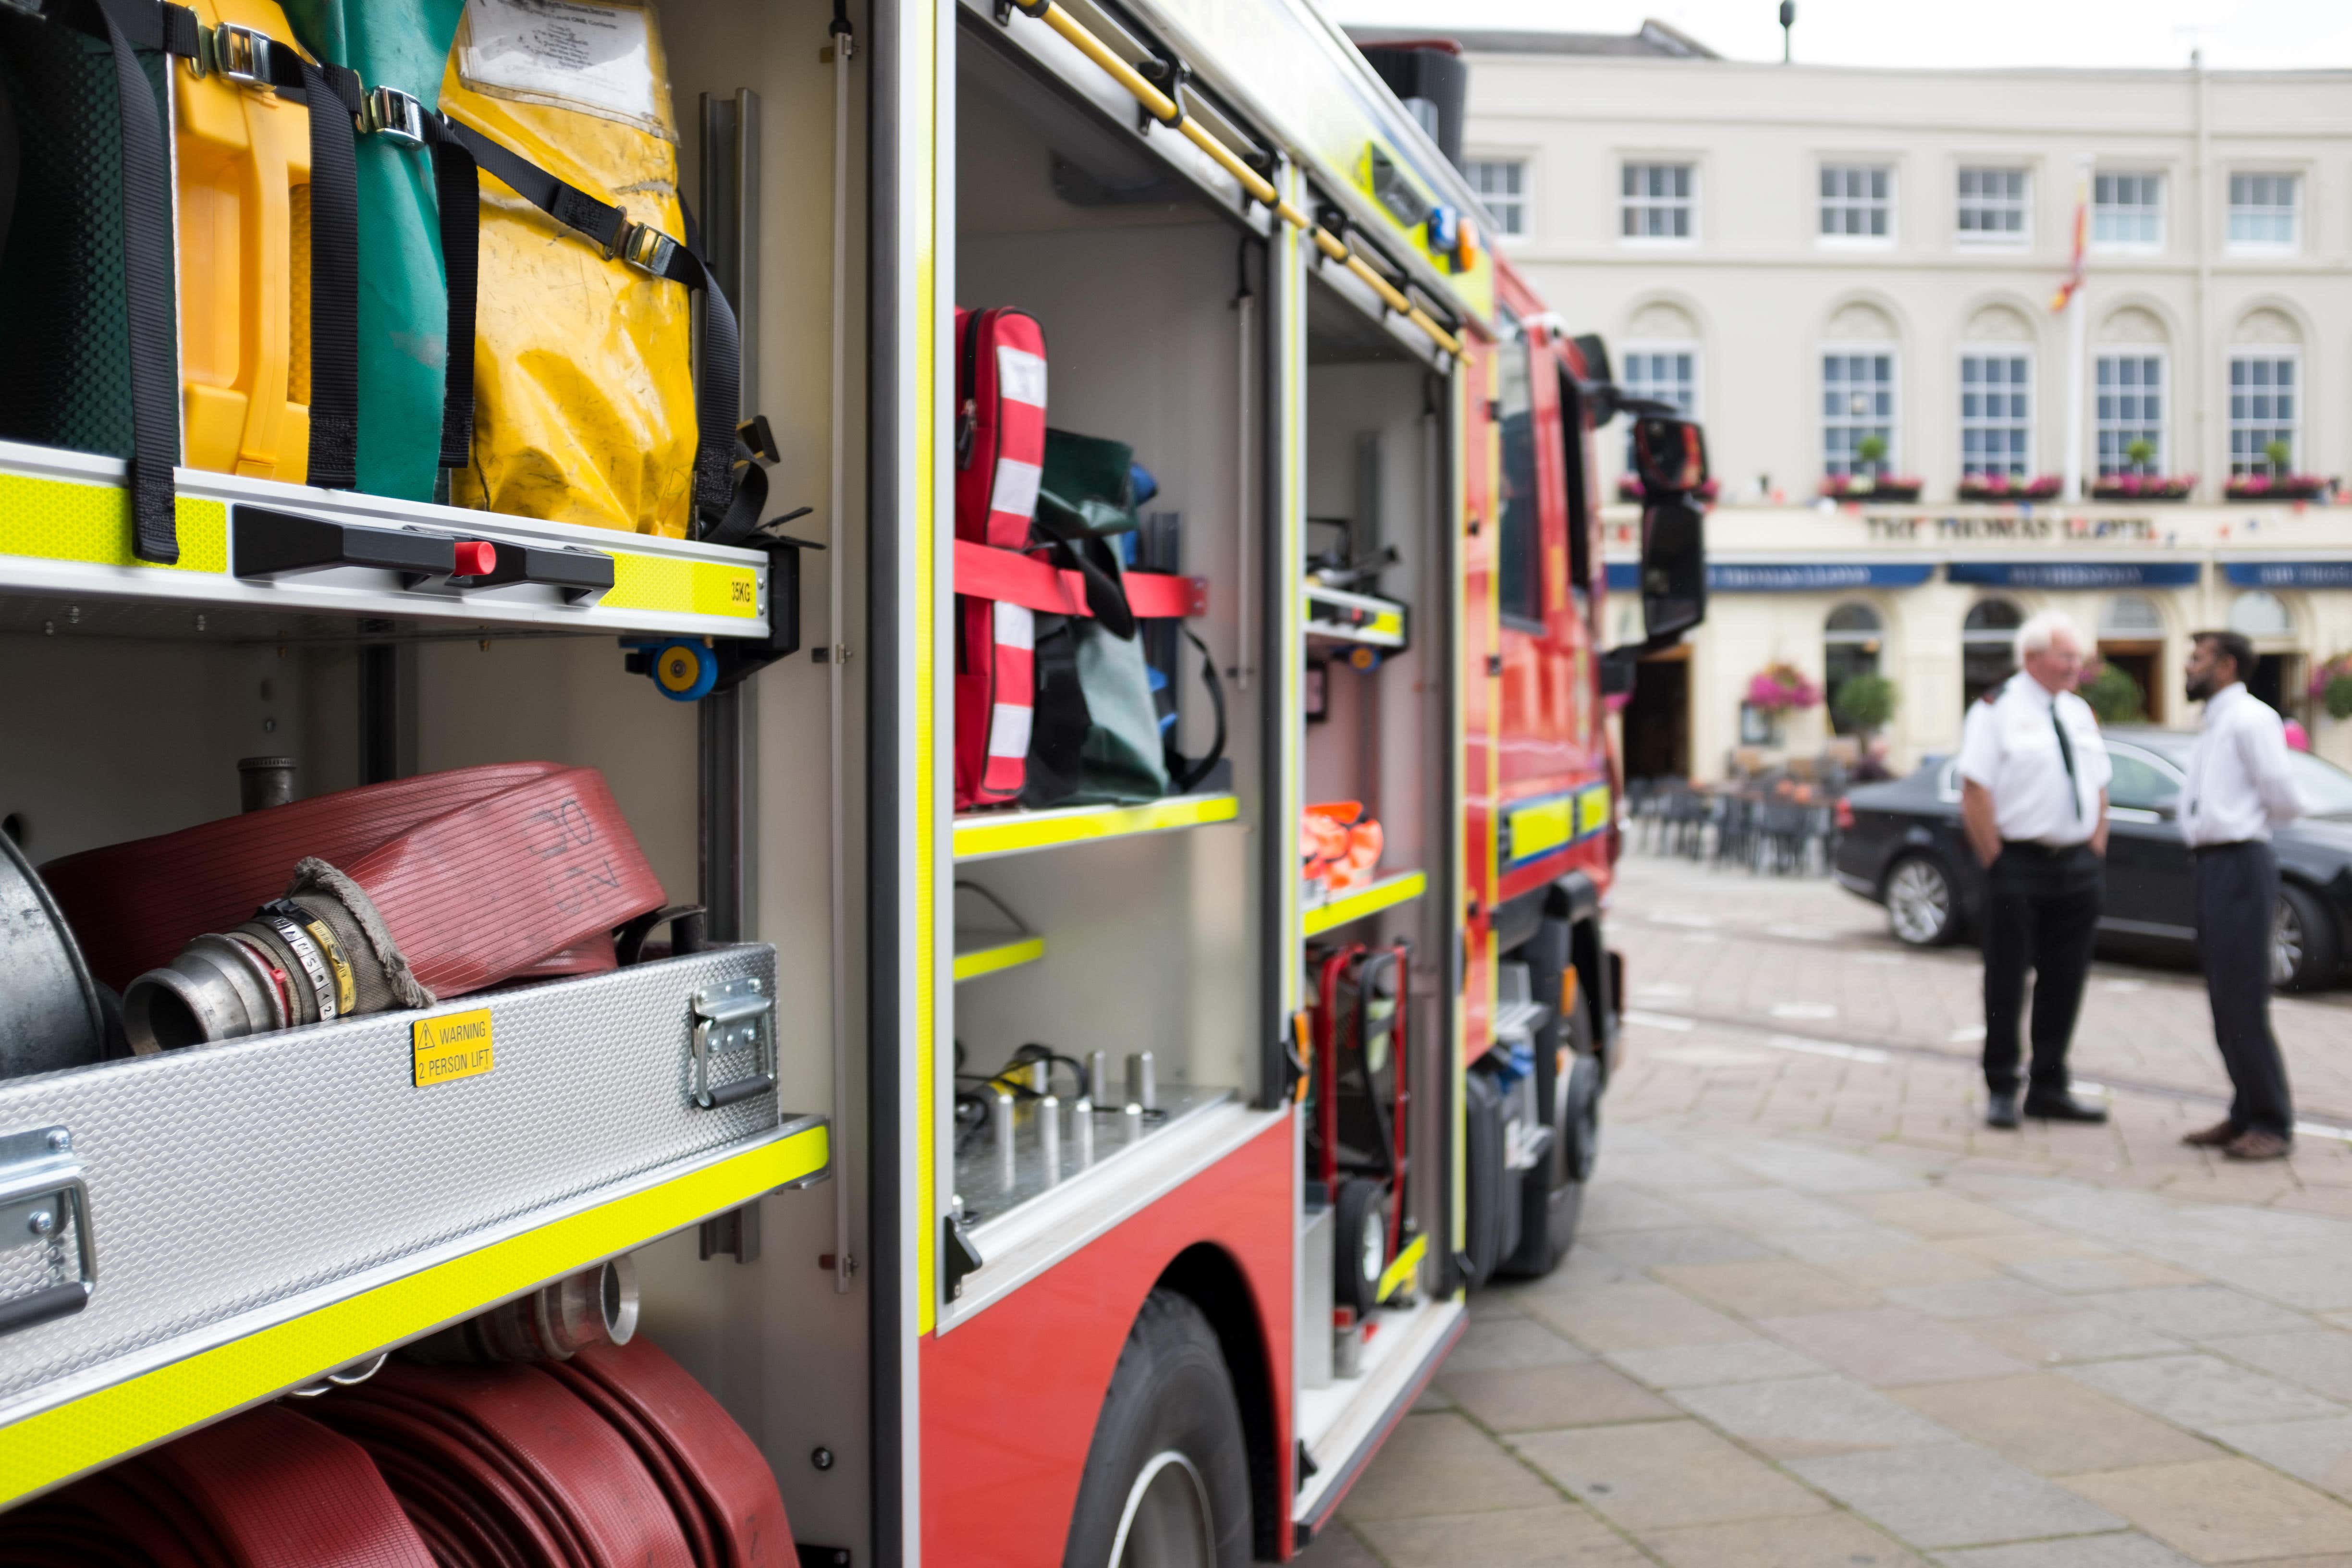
999 458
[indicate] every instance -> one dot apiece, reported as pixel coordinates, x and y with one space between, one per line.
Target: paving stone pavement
1819 1316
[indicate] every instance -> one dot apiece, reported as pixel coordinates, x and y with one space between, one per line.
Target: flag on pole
2065 295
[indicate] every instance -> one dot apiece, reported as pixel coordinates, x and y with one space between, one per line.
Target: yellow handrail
1163 108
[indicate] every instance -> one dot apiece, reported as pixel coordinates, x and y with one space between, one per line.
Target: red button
476 558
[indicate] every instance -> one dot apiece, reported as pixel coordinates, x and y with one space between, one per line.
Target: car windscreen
2326 789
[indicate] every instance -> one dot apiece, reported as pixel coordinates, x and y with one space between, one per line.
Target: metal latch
396 116
735 1016
238 54
41 1192
644 246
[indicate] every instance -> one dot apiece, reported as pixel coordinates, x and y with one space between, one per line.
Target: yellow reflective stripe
66 520
1386 893
1003 955
1542 827
1400 1273
980 836
680 587
1592 811
55 1444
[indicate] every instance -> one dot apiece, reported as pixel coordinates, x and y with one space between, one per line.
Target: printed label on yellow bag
453 1045
562 52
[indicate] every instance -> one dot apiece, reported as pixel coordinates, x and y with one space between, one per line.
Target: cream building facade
1848 273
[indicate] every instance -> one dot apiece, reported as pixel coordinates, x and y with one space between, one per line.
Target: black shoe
2000 1109
2060 1106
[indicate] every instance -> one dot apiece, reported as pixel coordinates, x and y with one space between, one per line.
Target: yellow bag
583 376
244 166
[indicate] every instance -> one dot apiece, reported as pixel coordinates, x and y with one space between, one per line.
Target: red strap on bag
1034 584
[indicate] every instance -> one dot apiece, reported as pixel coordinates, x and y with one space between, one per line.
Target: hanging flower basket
1782 688
2142 487
2277 487
1630 489
2003 488
2331 686
1872 487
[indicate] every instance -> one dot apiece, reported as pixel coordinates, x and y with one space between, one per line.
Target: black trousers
2237 897
2042 912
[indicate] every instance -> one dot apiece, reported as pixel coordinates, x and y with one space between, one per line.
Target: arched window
1851 641
2259 615
1988 652
2130 617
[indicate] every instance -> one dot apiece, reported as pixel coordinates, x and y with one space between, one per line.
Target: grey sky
2236 34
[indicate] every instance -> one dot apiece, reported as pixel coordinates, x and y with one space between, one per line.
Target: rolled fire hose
265 1490
506 1465
597 1306
532 861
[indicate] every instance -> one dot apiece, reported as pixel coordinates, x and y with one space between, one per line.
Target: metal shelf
1387 893
270 1209
983 836
65 537
992 952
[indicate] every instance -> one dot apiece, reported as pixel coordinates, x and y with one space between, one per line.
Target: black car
1904 847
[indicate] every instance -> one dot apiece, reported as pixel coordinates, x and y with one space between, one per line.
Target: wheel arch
1213 1279
1576 898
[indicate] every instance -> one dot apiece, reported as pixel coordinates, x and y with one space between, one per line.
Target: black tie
2066 752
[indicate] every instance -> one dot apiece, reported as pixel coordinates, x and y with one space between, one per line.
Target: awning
2065 574
2275 574
1789 576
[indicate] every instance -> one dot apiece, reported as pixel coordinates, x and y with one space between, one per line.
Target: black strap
719 500
148 281
1089 555
459 188
334 282
1186 774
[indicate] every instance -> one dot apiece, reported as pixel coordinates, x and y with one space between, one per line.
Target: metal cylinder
1131 1124
555 1322
217 989
1098 1076
999 1127
1082 1130
1049 1136
50 1016
265 781
1143 1081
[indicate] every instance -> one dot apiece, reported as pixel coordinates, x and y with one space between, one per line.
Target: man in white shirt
2034 799
2239 789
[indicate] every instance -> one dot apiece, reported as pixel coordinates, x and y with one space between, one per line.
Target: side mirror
1619 668
1673 568
1669 453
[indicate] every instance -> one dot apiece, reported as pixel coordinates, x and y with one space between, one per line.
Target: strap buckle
237 53
389 112
643 246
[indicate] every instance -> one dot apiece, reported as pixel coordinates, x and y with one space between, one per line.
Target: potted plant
2278 484
2331 686
2136 483
1780 688
2007 487
1863 703
2114 696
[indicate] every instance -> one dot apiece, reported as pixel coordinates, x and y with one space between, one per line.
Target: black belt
2035 847
2233 844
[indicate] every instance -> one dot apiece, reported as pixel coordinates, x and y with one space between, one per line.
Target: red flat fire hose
265 1490
392 895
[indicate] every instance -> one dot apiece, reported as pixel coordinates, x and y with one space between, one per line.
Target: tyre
1923 905
1483 1173
1360 1244
1551 1206
2302 942
1166 1478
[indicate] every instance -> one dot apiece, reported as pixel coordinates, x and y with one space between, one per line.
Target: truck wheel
1488 1182
1360 1248
1167 1480
1553 1206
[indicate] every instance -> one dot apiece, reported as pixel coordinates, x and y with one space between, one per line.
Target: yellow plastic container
583 375
243 157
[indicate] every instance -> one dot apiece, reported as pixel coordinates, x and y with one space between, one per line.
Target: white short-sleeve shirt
2010 745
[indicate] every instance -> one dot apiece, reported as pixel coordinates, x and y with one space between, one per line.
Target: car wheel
1922 905
2302 942
1166 1478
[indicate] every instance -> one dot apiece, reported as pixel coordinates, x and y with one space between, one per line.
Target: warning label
454 1045
565 52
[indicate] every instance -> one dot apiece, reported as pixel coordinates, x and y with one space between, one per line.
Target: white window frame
1821 203
1523 201
2032 399
1850 348
2163 178
1626 203
1663 346
2292 244
2168 390
1978 239
2232 424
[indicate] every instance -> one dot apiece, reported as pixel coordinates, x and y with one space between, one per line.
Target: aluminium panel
238 1184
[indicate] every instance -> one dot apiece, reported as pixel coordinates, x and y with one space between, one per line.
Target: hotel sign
2289 573
1896 529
